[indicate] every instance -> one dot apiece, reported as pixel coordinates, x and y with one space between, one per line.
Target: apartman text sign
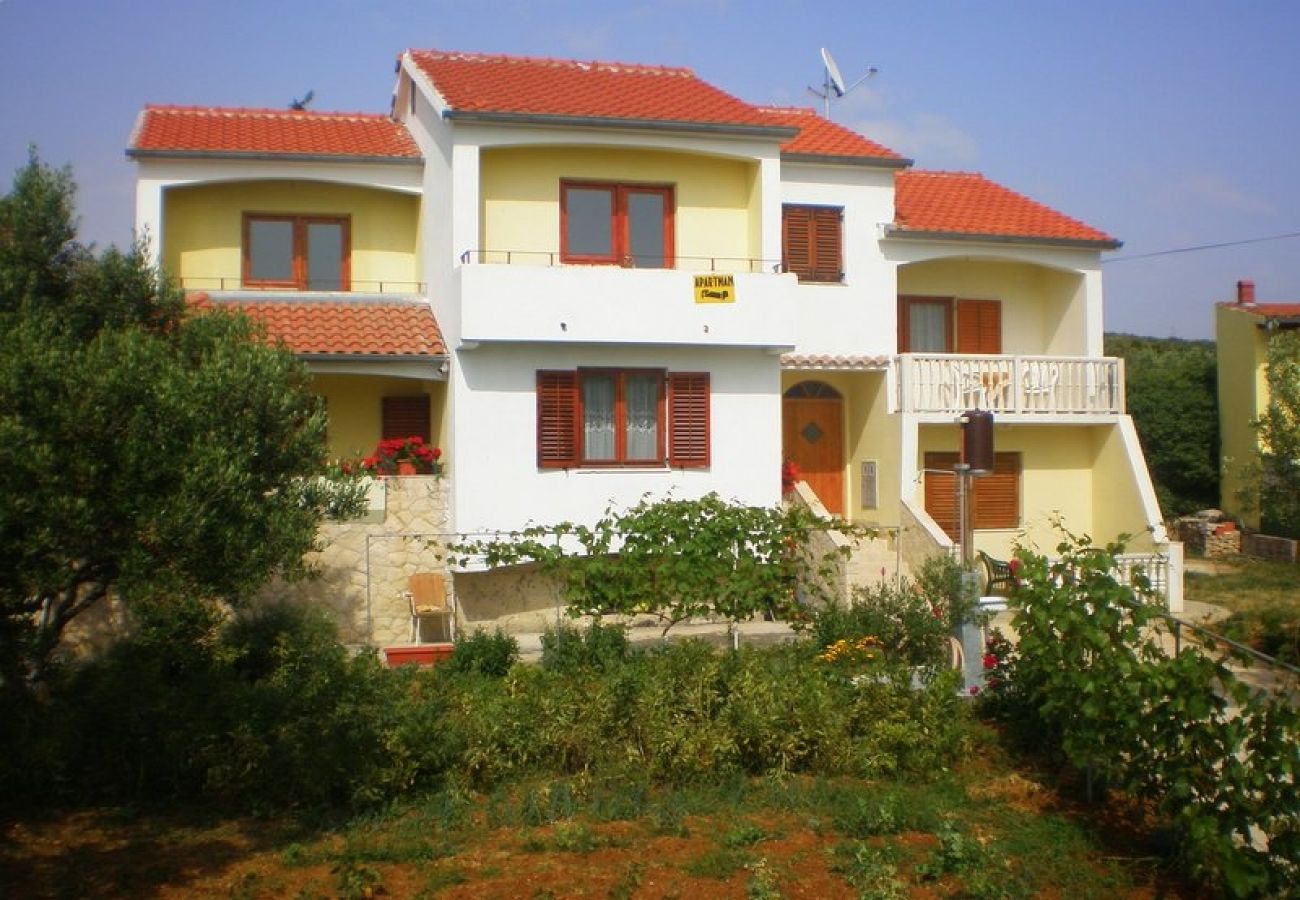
715 288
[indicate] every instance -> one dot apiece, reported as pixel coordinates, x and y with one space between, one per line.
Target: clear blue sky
1168 124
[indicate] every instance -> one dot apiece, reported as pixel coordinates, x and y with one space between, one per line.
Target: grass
984 829
1263 602
1243 585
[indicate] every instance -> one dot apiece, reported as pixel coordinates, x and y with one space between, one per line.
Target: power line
1258 240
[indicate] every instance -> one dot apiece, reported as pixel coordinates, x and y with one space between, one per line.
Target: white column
149 215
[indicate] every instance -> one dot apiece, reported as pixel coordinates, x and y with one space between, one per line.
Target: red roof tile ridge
266 112
786 110
951 173
556 62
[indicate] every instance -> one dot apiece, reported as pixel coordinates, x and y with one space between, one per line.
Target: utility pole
976 460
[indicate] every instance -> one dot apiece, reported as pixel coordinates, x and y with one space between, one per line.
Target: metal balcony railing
354 286
680 263
1011 385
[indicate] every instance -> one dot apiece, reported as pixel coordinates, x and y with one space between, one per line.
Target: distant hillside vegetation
1173 399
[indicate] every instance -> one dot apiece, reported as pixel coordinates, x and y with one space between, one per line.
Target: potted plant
404 456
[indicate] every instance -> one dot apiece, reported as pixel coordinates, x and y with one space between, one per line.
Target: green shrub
912 620
600 646
1213 758
267 711
488 653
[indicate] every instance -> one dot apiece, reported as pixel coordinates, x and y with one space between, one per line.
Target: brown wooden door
814 438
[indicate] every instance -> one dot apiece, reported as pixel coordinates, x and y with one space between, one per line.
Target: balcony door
812 418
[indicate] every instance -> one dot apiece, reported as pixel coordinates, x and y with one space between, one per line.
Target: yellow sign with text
715 288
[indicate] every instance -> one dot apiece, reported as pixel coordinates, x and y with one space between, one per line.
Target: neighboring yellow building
1242 329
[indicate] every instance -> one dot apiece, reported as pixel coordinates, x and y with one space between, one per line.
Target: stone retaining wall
363 566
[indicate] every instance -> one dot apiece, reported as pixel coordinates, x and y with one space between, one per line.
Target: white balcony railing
1029 386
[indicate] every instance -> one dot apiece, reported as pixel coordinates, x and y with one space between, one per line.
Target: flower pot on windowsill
405 467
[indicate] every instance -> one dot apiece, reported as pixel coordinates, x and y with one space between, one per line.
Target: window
622 417
949 325
996 496
301 253
811 242
404 416
616 224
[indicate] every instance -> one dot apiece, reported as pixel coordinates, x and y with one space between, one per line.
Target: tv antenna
833 84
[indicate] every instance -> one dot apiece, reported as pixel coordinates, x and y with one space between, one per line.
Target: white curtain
927 327
598 417
642 417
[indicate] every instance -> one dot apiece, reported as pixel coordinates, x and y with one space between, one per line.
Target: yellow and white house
592 281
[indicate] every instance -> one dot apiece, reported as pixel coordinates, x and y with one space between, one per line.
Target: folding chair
427 594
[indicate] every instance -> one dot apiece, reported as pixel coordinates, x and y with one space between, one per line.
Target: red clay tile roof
341 327
215 130
967 203
831 362
822 137
531 86
1267 310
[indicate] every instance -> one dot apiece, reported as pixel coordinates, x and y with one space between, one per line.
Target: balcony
533 299
220 283
1025 388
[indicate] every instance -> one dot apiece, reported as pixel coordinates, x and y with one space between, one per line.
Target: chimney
1245 293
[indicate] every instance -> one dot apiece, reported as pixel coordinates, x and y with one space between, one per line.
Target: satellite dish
834 80
833 84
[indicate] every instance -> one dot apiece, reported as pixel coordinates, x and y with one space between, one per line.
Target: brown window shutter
941 493
405 416
997 495
688 420
557 419
979 327
827 262
796 237
996 501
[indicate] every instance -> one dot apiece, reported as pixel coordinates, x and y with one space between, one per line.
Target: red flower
990 661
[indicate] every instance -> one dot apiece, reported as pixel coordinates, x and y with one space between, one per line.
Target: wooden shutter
979 327
796 240
996 497
405 416
811 242
941 493
688 420
827 264
557 419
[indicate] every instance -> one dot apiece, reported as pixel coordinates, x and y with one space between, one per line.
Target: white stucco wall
858 316
500 486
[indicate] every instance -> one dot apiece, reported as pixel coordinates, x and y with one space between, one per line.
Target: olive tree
144 453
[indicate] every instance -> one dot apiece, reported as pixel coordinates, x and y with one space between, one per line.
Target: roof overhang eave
893 231
779 133
871 162
432 359
141 154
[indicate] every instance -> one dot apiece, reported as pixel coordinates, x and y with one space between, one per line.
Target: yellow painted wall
1042 309
716 199
203 230
354 409
1060 478
1242 350
1117 505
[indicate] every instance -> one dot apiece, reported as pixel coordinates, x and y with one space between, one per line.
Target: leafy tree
143 453
1279 434
1173 399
